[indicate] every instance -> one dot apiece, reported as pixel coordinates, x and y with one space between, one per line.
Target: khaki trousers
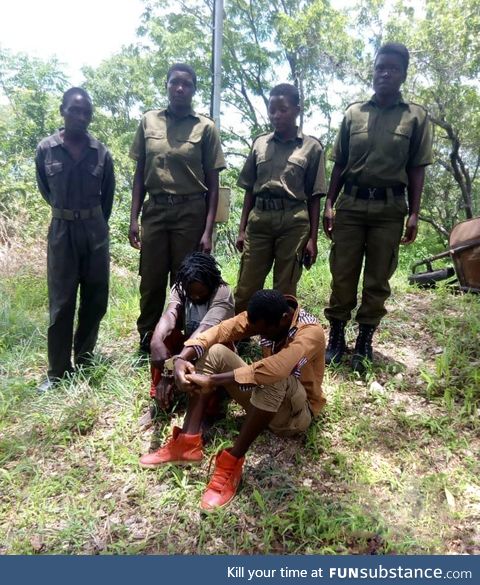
287 398
272 237
169 234
366 232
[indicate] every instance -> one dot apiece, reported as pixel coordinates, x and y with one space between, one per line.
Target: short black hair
288 90
75 91
183 67
267 305
198 267
398 49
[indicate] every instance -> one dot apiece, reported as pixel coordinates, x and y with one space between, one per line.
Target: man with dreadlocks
199 299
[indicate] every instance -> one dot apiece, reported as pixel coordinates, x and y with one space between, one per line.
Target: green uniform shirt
178 152
294 168
377 145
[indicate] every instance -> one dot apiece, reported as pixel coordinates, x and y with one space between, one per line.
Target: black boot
363 354
336 342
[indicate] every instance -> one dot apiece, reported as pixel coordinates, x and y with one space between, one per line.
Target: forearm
248 203
164 327
222 379
200 329
336 183
314 216
416 178
188 354
138 190
212 180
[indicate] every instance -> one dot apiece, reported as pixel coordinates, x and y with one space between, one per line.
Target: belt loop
353 191
389 196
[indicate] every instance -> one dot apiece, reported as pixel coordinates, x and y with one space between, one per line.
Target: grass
390 466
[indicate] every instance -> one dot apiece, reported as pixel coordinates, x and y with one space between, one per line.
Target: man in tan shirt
282 391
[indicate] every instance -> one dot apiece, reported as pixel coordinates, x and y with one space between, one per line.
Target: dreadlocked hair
198 267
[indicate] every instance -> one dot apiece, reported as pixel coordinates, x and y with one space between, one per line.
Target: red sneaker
224 483
180 449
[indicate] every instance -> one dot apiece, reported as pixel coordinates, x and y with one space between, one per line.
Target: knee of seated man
216 354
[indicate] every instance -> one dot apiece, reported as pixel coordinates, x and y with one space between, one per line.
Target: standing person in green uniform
179 159
283 178
75 176
380 156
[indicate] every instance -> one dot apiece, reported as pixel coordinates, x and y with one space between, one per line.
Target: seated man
282 391
199 299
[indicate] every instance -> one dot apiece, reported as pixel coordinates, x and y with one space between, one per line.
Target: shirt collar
57 140
398 101
168 112
298 138
292 302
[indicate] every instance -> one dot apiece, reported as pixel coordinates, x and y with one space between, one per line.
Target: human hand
134 235
205 245
240 243
328 219
164 392
202 384
180 370
411 230
159 354
310 253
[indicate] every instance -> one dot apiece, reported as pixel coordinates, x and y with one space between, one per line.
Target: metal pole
217 60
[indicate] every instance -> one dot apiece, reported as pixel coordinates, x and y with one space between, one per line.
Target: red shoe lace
219 478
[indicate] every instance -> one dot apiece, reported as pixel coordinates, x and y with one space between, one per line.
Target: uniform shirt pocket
94 179
56 180
400 138
189 148
358 139
154 142
53 168
264 169
294 176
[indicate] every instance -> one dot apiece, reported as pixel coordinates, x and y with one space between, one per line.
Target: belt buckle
371 191
170 199
76 214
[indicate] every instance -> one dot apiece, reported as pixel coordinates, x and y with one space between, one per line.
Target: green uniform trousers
172 227
77 258
272 236
364 230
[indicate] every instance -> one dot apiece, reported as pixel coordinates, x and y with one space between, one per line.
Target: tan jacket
302 354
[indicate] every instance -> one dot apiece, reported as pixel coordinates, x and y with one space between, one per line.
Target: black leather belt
74 214
165 199
376 193
276 203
